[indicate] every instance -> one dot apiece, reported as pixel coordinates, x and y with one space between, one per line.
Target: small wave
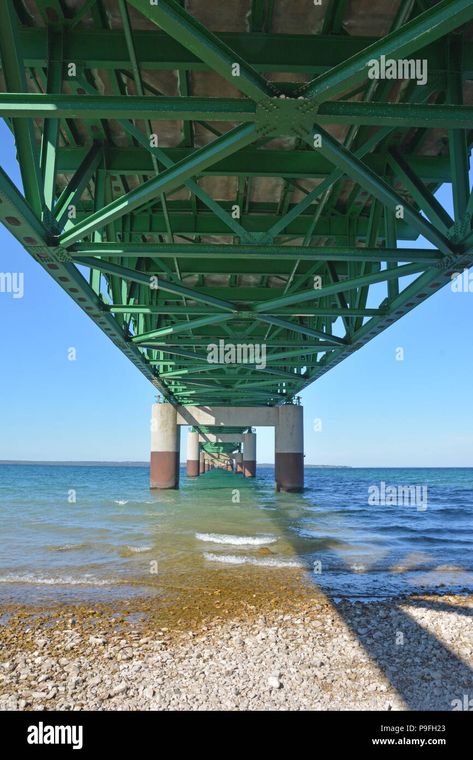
222 538
67 547
48 581
359 568
233 559
121 501
130 551
326 542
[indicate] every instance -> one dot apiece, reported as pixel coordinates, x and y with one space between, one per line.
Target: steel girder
179 264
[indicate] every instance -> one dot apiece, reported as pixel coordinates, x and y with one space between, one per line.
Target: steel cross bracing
203 175
211 446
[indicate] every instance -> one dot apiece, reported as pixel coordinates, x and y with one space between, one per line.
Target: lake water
98 532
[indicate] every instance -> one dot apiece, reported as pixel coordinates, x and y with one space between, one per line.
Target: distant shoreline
79 463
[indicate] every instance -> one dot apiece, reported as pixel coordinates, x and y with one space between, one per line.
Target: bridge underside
203 178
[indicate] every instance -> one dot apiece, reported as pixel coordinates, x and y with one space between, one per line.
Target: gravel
414 653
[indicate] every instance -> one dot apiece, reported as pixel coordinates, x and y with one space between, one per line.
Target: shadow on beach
403 637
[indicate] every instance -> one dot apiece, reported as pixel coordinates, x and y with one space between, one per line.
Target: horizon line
142 463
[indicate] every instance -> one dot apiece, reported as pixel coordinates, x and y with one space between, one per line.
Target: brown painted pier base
164 470
192 455
249 468
165 445
249 455
289 472
192 468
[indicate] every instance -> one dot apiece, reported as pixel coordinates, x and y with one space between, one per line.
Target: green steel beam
368 279
167 287
285 342
328 182
50 137
299 328
170 179
193 310
457 138
186 372
215 207
72 193
391 239
37 106
79 14
107 49
161 155
191 108
224 429
435 22
248 252
419 192
18 217
185 223
180 25
184 327
359 172
13 72
298 164
395 114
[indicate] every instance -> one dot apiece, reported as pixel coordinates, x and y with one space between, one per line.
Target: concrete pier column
239 464
289 448
192 455
249 455
201 462
206 469
165 445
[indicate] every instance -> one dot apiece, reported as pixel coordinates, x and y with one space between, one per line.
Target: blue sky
374 410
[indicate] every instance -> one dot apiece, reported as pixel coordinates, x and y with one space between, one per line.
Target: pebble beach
414 653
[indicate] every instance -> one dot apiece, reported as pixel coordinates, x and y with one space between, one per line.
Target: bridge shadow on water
402 636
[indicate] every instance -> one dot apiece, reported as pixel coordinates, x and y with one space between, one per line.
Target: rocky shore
311 653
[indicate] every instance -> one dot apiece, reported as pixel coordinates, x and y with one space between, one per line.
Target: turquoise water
99 532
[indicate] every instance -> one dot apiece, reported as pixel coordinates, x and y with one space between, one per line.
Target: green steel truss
218 447
182 206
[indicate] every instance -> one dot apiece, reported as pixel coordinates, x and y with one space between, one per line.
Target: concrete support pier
239 464
165 445
249 455
192 455
287 421
289 449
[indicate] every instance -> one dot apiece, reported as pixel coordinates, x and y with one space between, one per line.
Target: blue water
98 532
